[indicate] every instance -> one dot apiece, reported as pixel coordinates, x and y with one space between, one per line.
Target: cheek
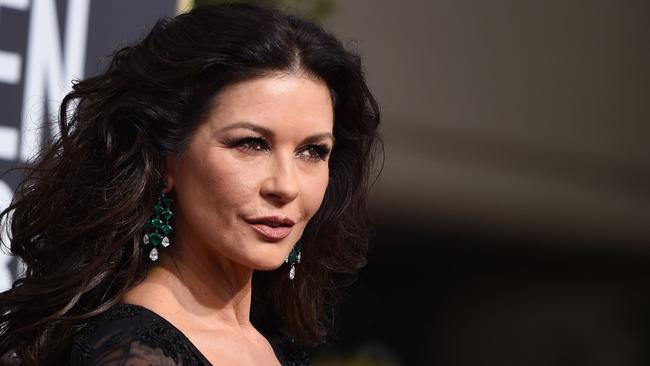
315 191
228 184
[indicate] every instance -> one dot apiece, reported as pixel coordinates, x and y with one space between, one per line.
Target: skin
202 283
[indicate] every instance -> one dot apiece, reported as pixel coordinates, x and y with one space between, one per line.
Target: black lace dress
135 336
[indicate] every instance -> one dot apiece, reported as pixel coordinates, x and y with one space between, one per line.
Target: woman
155 229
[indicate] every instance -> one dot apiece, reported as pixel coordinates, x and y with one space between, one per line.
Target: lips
272 228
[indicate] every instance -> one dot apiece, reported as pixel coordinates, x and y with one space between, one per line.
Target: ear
168 175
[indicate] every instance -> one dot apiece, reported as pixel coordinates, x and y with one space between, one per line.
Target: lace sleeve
128 353
118 350
128 337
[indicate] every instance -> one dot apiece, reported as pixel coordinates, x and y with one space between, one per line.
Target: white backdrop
44 45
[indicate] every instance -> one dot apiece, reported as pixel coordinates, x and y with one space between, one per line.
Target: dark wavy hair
77 218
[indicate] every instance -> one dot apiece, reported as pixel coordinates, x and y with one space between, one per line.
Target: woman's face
255 171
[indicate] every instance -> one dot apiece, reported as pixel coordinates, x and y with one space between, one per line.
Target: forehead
276 101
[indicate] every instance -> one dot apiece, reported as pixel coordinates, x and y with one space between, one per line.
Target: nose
281 184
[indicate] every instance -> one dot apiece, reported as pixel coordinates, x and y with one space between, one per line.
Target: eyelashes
320 151
250 143
253 145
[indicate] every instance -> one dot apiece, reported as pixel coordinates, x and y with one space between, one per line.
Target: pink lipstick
273 233
272 228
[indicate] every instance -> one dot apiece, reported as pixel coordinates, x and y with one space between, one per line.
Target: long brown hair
77 218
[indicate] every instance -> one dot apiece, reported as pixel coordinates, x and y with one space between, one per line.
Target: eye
251 144
315 152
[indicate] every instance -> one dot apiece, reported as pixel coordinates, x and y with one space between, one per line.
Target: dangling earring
293 259
158 226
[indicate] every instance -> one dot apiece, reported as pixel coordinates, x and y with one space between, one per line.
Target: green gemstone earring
158 226
293 259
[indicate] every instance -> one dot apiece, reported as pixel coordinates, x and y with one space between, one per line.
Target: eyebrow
265 131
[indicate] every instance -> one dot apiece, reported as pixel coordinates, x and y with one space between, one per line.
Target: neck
197 288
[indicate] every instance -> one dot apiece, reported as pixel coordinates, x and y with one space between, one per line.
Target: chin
267 257
268 265
268 262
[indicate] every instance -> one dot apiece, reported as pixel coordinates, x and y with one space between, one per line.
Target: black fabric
135 336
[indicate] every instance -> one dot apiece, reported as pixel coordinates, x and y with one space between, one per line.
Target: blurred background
513 211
